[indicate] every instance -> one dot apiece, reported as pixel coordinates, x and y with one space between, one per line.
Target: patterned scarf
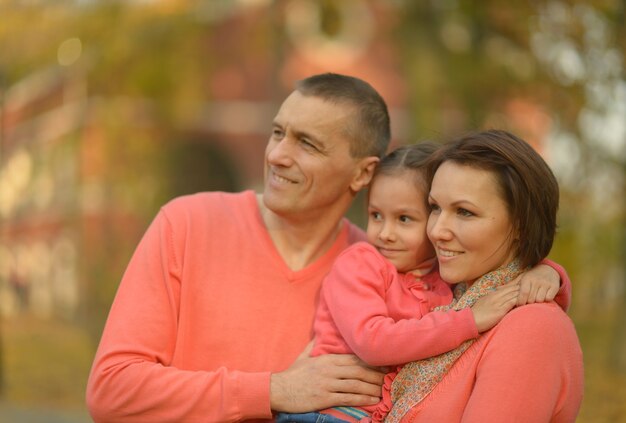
417 379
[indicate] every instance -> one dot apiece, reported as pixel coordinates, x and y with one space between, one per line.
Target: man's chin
278 204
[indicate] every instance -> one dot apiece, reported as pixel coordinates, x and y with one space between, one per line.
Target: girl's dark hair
413 157
525 181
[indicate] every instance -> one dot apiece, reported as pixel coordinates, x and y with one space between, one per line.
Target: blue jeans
307 418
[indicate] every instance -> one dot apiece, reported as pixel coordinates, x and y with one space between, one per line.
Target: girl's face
469 223
397 220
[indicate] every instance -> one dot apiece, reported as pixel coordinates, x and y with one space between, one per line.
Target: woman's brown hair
525 181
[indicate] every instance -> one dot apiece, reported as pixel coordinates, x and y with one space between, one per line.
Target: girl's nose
386 232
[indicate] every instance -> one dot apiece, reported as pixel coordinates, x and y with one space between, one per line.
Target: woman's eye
434 208
465 212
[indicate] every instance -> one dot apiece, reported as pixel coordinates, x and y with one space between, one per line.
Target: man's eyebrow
311 137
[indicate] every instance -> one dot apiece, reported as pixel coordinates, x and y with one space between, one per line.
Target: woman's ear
363 173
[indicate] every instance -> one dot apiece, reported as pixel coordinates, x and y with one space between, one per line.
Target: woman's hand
537 285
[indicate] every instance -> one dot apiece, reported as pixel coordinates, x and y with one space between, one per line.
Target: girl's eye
375 215
434 208
405 219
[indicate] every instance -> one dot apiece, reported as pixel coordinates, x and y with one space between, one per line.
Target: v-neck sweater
206 310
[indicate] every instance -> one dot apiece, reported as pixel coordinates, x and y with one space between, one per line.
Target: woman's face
469 224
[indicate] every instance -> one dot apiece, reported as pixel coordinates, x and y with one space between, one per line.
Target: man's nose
280 152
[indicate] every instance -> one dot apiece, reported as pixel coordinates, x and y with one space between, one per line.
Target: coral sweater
205 311
528 369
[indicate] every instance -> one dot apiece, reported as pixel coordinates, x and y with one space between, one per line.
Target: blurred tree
467 60
144 76
199 166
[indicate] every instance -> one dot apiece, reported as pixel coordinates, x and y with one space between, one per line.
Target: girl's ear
363 173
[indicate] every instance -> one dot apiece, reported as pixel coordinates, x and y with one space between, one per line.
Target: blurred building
265 47
39 193
71 210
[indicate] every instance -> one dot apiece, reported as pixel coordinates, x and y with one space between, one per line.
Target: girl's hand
537 285
491 308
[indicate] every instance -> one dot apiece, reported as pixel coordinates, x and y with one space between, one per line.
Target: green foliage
46 362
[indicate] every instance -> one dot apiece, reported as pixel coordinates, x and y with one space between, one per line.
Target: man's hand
316 383
539 284
491 308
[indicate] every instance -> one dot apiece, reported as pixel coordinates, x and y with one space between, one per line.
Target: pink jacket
369 309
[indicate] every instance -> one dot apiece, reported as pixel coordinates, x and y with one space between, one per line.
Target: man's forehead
310 109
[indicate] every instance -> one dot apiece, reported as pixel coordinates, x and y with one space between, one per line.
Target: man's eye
308 144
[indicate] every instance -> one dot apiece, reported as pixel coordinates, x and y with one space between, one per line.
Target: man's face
308 167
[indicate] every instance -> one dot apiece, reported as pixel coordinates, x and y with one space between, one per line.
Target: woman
493 213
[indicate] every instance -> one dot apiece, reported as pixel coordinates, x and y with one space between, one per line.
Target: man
218 300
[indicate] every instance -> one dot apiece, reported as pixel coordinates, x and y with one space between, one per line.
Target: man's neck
300 241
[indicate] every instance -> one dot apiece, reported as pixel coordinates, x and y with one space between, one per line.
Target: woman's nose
438 228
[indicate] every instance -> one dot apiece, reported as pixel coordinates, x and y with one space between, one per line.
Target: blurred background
108 109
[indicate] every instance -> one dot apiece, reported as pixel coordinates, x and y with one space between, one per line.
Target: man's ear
364 172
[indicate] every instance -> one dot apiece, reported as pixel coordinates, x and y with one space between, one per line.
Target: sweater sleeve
531 370
355 294
132 379
564 296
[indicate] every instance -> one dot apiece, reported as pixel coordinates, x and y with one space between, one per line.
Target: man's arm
132 378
